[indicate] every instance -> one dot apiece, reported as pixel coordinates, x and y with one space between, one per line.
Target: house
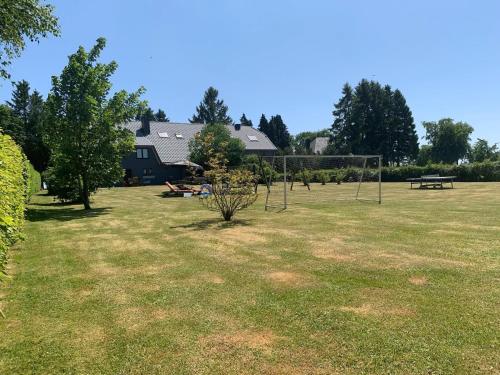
318 145
162 149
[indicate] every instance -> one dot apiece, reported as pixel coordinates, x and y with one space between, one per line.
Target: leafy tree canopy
146 113
244 121
482 151
22 20
211 109
449 140
86 140
231 149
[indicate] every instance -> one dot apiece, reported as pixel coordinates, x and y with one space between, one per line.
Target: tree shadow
215 224
54 204
64 214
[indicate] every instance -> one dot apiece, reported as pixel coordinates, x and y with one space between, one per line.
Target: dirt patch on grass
418 280
244 235
288 278
330 249
257 340
204 278
104 269
403 260
136 319
369 309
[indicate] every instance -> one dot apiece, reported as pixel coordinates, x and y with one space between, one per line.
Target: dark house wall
159 173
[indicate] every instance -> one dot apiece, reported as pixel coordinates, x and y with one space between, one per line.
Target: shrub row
18 181
473 172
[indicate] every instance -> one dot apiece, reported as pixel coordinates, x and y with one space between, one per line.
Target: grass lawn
150 285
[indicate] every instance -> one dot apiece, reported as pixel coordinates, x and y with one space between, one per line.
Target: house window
147 172
163 135
142 153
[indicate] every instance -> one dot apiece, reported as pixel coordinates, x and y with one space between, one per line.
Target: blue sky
287 57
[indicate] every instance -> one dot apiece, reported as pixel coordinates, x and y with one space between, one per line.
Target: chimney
145 126
237 126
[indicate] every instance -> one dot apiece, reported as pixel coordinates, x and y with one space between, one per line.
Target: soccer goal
319 179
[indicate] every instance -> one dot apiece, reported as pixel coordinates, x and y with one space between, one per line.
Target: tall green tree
211 109
449 140
372 119
344 135
244 121
22 20
10 124
403 135
35 147
19 105
25 124
86 140
263 124
216 137
277 131
482 151
161 116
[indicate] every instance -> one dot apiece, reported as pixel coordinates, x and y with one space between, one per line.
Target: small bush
323 177
12 195
63 186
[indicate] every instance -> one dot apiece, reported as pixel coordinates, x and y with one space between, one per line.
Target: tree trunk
85 193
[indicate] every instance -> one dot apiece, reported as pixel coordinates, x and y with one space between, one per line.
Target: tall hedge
18 182
486 171
12 195
473 172
33 180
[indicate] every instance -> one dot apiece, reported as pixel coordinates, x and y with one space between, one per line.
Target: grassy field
150 285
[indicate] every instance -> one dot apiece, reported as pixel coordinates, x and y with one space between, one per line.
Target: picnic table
431 180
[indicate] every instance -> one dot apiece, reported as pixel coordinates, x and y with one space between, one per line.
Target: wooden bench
431 180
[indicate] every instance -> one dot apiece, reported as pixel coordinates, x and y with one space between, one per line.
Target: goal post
319 179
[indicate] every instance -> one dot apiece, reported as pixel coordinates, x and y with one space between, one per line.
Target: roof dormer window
253 138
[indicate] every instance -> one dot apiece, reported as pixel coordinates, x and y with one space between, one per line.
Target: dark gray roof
172 149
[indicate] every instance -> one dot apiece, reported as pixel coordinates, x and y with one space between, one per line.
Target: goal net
318 179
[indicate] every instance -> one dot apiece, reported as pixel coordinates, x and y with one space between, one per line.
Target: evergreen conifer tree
244 121
211 109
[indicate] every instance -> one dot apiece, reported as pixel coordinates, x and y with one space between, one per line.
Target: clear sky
288 57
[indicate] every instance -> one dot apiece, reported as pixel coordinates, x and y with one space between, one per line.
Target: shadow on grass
64 214
53 204
216 223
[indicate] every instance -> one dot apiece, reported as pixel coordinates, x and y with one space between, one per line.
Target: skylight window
163 135
253 138
179 136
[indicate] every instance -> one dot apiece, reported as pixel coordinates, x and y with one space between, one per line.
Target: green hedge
32 179
473 172
12 195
